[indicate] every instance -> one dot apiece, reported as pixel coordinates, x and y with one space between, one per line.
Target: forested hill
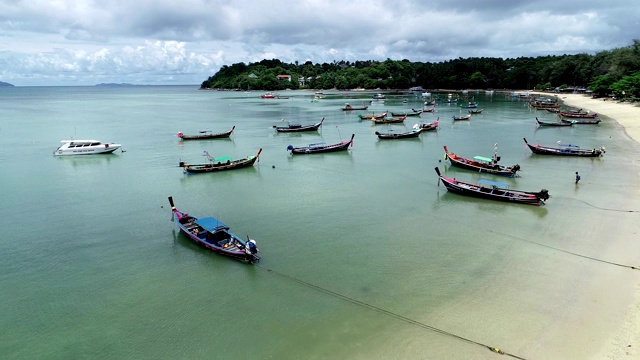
609 71
5 84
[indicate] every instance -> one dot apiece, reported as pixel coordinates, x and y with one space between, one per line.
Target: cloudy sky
164 42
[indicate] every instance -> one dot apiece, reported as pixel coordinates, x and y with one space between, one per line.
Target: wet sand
623 337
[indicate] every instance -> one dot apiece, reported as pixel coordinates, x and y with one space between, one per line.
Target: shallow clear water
92 267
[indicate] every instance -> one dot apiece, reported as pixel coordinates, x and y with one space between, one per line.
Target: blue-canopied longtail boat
215 235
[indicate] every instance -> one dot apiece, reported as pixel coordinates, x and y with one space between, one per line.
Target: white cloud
82 42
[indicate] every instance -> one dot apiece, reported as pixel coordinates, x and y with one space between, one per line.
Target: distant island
114 84
5 84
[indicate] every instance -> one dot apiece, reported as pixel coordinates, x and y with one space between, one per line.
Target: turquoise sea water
92 267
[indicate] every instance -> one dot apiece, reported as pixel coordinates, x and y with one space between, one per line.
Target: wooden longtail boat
493 191
298 127
543 105
578 115
428 126
220 163
215 235
395 135
431 109
565 150
581 121
481 164
413 113
321 147
463 117
348 107
206 134
475 111
393 120
373 117
555 123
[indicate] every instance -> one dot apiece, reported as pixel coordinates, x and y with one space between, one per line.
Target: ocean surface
364 254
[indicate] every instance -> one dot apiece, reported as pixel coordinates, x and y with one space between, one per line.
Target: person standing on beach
577 177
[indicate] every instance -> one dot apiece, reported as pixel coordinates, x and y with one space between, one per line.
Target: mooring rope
596 207
566 251
388 313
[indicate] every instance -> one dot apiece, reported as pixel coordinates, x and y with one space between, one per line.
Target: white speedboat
85 147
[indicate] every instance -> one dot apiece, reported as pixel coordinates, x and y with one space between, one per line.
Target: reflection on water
371 220
88 160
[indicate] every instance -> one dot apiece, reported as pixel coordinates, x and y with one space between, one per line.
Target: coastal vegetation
608 72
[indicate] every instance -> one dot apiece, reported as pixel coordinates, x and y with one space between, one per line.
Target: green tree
601 85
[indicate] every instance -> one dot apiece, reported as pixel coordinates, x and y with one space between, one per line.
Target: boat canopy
211 224
482 158
493 183
222 158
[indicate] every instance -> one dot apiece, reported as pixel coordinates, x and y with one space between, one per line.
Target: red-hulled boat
481 164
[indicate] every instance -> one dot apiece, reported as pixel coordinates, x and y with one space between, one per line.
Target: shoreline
622 342
625 114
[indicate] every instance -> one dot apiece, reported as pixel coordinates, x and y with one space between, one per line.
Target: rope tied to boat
597 207
388 312
632 267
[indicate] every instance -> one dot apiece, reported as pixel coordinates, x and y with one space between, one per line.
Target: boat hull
494 193
219 239
69 149
477 166
391 136
555 123
343 146
299 128
221 166
547 150
225 134
396 120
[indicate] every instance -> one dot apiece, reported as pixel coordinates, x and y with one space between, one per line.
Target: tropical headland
609 72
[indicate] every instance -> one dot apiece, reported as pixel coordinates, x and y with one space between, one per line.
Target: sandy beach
624 113
624 341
